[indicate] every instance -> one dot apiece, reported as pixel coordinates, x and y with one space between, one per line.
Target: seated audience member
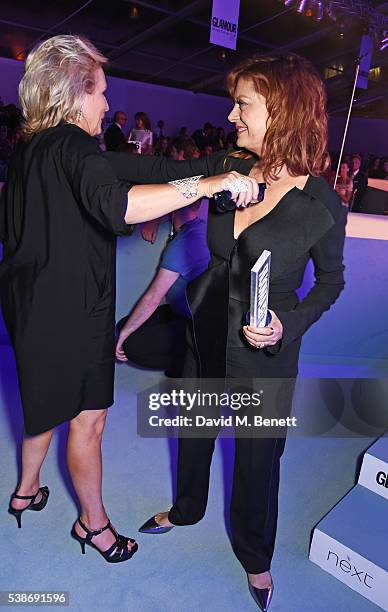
208 150
163 147
203 137
374 168
182 136
142 132
187 150
344 185
190 150
383 170
231 140
329 174
160 131
114 135
177 153
153 335
360 183
220 143
16 137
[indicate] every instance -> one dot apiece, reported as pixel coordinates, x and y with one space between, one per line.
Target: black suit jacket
360 185
306 224
113 137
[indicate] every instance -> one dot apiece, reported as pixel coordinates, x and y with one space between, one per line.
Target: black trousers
254 502
159 343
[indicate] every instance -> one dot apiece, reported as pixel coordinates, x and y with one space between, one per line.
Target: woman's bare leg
34 450
84 460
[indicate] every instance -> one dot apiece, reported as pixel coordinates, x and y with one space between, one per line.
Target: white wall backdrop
364 135
178 107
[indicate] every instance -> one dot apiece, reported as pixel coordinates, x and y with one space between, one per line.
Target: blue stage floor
190 569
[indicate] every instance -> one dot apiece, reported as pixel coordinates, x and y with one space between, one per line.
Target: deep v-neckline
270 212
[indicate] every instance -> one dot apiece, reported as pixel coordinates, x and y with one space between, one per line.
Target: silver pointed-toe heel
262 597
151 526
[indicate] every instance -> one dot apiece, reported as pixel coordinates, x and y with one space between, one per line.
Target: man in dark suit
203 137
360 183
114 135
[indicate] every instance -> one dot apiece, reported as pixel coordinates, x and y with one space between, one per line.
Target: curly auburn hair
296 134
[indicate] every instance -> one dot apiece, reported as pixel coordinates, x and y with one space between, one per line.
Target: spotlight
330 12
133 12
308 7
18 53
384 42
319 11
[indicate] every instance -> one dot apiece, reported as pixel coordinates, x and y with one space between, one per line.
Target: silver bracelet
188 186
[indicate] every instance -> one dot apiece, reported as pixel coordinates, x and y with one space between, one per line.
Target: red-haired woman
281 123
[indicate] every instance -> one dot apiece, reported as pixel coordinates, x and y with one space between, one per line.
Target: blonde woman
60 212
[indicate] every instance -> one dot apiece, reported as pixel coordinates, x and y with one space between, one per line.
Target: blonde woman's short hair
58 74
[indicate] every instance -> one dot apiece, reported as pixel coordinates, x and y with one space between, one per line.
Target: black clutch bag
222 202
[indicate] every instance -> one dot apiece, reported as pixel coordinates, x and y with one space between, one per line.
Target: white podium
351 541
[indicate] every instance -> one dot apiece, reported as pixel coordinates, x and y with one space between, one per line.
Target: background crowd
139 137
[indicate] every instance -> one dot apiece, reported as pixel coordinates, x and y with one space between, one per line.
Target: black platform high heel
122 552
31 506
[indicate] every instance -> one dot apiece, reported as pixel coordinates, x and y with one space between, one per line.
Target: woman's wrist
189 187
204 189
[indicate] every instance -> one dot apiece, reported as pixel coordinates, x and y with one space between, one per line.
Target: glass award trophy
259 316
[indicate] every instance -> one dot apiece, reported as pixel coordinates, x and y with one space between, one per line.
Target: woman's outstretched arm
145 169
147 202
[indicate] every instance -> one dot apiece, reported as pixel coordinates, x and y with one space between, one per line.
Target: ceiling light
308 7
133 12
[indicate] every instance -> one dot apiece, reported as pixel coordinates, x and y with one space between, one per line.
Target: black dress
308 223
60 210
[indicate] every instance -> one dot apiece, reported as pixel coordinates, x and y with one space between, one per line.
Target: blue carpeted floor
189 569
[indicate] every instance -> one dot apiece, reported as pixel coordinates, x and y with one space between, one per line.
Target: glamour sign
224 23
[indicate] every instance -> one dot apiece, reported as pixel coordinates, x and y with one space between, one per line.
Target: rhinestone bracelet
188 186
